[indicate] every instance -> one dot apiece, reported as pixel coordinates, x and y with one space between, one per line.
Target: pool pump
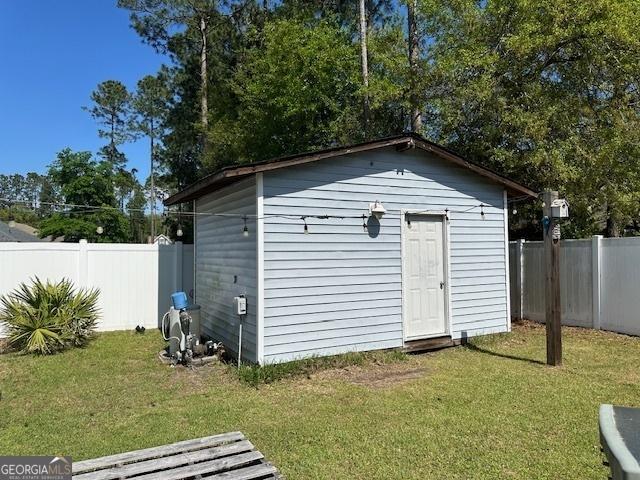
180 330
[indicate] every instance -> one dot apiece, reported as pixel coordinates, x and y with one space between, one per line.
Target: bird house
560 208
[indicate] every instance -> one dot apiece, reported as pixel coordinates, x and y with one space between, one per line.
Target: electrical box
240 305
559 208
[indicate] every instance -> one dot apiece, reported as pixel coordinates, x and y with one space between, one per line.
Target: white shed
322 275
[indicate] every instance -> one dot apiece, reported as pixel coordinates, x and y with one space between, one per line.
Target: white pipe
240 342
166 339
162 325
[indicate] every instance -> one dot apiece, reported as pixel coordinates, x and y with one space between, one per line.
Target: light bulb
179 232
99 230
245 230
514 211
306 228
12 224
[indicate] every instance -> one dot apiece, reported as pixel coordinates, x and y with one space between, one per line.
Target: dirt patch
194 379
4 346
376 376
577 332
527 325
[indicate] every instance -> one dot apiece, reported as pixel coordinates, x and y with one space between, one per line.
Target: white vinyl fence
599 282
135 281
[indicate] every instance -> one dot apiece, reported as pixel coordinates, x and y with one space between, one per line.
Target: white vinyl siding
339 288
226 265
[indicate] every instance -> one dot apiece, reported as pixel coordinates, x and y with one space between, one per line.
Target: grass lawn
490 410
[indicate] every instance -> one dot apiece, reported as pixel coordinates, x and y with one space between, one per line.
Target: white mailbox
560 208
240 305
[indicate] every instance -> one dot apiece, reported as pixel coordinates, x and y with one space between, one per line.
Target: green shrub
45 318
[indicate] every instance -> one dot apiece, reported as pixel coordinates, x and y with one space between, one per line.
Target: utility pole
551 232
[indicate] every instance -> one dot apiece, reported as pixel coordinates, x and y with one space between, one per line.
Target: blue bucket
179 300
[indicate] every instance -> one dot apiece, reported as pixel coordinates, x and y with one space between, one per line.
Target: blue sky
52 56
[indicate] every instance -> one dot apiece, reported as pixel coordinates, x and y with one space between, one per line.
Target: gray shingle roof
15 235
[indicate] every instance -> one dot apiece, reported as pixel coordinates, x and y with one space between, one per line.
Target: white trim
447 254
507 281
260 268
596 279
446 264
403 307
83 264
519 261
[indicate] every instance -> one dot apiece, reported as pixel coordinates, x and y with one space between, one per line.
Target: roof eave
230 174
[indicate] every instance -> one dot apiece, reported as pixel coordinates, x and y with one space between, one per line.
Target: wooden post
551 232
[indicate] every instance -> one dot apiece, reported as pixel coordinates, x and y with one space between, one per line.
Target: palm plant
48 317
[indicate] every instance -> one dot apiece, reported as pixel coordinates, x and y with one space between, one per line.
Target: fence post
83 264
596 267
519 277
177 256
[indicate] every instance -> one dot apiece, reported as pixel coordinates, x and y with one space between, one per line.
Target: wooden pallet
227 456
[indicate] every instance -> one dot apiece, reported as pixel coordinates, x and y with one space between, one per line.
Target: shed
323 276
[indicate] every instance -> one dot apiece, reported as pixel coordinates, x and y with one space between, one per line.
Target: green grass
490 410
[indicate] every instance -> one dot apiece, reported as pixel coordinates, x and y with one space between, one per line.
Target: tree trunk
152 199
414 55
204 108
113 135
365 65
613 229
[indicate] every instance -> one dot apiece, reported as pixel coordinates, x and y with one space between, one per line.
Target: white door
423 277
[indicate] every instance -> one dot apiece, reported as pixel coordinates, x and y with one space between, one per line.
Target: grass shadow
476 348
469 344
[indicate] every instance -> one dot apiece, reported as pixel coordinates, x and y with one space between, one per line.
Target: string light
179 231
99 230
87 209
